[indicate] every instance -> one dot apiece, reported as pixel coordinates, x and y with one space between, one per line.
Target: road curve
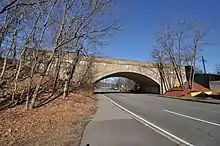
195 123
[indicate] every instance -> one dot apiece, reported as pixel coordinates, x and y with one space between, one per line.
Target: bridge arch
147 83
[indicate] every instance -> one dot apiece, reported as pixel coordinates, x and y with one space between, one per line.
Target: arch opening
145 83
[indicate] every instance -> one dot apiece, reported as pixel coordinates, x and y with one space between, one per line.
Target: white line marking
122 97
193 118
153 126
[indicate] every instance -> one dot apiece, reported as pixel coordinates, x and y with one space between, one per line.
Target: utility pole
203 63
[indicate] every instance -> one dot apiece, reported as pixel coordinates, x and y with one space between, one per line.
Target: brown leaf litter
60 122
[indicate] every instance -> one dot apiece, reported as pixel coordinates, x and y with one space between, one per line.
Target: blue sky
141 20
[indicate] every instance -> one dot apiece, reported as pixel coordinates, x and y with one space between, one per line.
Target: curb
193 100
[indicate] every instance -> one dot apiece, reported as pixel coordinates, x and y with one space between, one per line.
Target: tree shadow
48 100
4 104
7 102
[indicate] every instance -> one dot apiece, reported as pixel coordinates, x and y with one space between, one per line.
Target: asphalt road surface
111 126
194 122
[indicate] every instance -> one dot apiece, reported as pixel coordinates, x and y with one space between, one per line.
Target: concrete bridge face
145 74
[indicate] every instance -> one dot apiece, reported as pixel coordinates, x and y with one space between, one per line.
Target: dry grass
60 122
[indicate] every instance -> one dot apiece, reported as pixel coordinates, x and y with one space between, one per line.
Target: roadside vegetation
42 45
177 46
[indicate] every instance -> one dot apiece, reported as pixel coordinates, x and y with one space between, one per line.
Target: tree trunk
57 71
30 84
48 64
176 71
193 72
14 38
35 94
3 68
16 81
65 89
70 76
27 101
37 88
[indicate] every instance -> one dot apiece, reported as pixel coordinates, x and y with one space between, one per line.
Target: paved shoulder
112 126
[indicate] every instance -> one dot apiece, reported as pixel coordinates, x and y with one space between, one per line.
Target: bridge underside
146 84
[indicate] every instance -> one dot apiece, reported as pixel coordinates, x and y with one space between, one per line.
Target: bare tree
86 73
13 43
128 85
170 41
42 37
76 28
162 67
199 34
178 46
7 5
90 33
218 69
39 46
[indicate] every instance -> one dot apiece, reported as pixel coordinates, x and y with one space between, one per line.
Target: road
111 126
194 122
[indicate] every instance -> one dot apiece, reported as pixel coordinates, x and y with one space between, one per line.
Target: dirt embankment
60 122
185 92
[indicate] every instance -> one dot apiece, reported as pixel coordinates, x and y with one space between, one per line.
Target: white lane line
193 118
153 126
122 97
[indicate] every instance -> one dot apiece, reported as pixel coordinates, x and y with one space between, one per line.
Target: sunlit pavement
194 122
113 127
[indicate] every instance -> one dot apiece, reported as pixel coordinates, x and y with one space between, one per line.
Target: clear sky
141 20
